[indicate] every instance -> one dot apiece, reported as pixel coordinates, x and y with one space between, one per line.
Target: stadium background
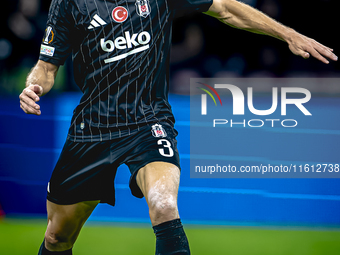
203 47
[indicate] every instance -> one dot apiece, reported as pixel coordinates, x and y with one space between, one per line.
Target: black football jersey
121 53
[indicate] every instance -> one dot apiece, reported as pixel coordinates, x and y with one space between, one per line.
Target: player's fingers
321 45
29 92
25 108
28 100
309 49
29 106
320 51
28 109
317 55
325 51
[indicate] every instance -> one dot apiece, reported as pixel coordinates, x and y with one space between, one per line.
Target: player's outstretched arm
239 15
39 81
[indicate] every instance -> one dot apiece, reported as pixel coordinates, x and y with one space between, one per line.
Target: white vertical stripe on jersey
90 97
82 120
153 38
167 7
101 66
83 56
121 26
159 20
127 91
150 97
141 99
108 112
130 18
170 40
101 70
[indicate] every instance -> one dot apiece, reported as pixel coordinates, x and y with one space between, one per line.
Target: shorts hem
58 202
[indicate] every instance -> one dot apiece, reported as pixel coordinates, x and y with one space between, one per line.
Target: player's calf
171 238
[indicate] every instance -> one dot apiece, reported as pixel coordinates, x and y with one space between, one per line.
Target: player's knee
58 241
163 207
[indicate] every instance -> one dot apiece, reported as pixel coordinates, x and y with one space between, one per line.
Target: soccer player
120 51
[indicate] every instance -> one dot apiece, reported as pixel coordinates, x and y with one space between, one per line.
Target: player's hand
28 98
304 47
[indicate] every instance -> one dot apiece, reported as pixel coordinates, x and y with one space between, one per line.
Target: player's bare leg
64 225
159 183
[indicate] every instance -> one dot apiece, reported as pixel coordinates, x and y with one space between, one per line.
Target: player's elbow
219 9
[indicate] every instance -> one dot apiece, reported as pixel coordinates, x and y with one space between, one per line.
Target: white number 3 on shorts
166 144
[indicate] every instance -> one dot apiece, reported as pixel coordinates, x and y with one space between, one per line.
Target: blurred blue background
202 47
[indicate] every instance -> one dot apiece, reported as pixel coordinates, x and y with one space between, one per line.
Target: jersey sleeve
186 7
56 44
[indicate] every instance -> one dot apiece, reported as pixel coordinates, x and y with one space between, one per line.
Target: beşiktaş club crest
143 8
158 131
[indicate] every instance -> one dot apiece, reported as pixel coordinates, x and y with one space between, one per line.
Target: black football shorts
85 171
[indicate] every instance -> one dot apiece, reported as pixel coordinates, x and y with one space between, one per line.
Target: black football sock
171 238
44 251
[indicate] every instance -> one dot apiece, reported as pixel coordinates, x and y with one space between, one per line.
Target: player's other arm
239 15
39 81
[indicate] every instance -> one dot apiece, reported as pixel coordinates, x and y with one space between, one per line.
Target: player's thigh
66 221
159 183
